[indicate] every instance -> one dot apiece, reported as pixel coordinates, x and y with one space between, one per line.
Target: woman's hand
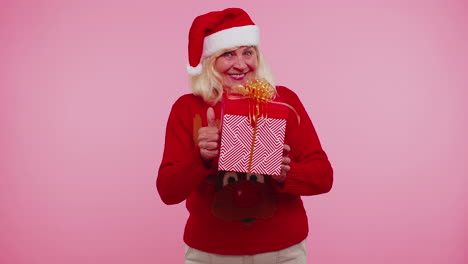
284 166
208 138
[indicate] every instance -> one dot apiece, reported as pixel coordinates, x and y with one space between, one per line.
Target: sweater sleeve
311 172
182 169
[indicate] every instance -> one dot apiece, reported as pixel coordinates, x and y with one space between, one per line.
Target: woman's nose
240 63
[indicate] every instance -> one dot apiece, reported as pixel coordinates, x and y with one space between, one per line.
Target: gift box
252 136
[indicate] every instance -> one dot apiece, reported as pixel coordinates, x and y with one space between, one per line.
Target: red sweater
183 176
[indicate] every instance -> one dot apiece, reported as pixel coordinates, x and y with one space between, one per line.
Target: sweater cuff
308 179
290 184
198 164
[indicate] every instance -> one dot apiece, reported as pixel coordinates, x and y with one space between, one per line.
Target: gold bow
259 92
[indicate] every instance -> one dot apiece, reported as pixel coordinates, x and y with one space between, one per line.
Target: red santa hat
219 30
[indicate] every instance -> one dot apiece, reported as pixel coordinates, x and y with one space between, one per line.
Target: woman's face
237 66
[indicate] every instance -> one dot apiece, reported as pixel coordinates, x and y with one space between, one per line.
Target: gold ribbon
252 148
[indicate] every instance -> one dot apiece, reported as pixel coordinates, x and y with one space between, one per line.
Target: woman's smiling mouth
237 77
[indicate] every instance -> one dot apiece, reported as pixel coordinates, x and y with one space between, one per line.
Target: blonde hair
208 84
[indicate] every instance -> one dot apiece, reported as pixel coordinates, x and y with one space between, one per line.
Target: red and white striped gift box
252 149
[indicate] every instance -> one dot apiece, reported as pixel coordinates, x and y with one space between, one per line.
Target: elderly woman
268 224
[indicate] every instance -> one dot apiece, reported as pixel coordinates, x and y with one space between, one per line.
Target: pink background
86 88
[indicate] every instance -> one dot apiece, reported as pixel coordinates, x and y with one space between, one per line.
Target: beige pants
292 255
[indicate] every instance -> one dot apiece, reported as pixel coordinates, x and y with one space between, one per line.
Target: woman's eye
248 53
227 54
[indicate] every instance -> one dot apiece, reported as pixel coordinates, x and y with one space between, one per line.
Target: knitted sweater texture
184 177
